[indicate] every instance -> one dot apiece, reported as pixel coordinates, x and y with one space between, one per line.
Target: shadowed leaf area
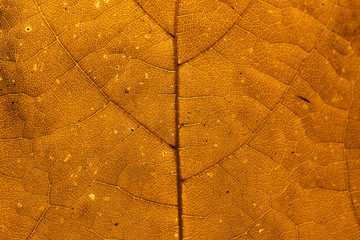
179 119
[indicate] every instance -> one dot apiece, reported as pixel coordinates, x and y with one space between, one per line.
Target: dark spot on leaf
126 91
131 129
303 98
116 224
227 191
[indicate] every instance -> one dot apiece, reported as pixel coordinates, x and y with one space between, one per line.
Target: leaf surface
164 119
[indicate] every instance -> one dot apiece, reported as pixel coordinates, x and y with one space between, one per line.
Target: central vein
177 122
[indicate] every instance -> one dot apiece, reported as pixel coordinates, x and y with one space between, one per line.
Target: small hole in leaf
117 66
131 129
28 29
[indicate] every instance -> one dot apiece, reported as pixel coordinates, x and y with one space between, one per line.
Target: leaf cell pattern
179 119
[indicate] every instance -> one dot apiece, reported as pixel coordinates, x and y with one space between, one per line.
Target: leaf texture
180 119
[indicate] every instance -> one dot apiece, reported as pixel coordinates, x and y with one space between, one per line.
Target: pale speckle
28 29
97 4
74 35
326 118
333 51
261 230
62 220
57 81
251 49
42 208
92 196
117 78
146 75
218 121
215 145
92 109
210 174
115 131
176 235
35 67
141 83
137 47
19 205
220 220
67 157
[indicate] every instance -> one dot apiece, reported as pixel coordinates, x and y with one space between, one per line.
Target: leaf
160 119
